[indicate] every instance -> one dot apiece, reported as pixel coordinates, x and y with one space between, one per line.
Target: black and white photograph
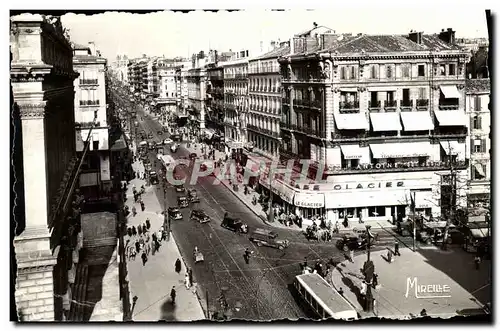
256 165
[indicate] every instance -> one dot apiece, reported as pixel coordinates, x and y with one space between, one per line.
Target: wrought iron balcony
422 103
349 107
89 102
406 105
88 82
87 125
374 105
448 107
315 104
390 104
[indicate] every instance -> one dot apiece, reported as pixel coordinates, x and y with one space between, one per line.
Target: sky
181 34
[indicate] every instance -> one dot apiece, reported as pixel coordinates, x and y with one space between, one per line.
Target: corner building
382 120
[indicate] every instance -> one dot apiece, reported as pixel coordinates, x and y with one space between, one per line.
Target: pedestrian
134 231
246 255
164 235
337 227
144 228
142 206
154 236
173 294
351 255
148 224
396 248
129 232
137 246
186 281
139 230
178 265
190 273
375 280
136 197
477 262
389 256
157 245
341 291
134 211
159 236
144 258
147 248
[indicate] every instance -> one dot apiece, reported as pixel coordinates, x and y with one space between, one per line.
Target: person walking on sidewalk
134 231
144 228
396 248
190 274
247 255
134 211
173 294
137 246
178 265
477 261
148 224
144 258
186 281
351 255
143 207
139 230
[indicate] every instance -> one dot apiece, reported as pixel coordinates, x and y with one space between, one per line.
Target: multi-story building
167 85
382 119
91 112
182 75
215 98
477 99
264 89
120 68
236 101
46 213
135 76
196 84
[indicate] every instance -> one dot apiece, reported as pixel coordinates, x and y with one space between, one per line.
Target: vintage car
199 216
351 242
180 188
268 238
234 224
176 137
167 141
153 177
183 201
174 213
193 195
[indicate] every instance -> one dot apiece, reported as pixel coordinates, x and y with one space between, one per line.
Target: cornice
32 110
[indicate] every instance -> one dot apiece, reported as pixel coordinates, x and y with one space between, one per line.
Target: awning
351 152
252 166
351 121
385 121
423 199
479 233
451 117
417 121
366 199
453 147
209 133
400 150
285 192
119 144
479 169
310 200
450 91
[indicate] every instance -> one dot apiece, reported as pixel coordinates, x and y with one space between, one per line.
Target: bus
322 298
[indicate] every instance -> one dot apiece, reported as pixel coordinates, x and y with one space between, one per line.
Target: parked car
180 188
183 201
351 241
167 141
175 213
193 195
234 224
199 216
268 238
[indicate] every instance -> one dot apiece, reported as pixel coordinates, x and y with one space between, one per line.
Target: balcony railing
390 104
373 105
87 125
88 81
448 107
406 105
422 103
349 107
89 102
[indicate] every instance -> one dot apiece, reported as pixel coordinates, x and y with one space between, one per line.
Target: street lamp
270 215
368 271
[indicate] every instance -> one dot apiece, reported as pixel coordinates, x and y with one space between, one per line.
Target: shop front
309 205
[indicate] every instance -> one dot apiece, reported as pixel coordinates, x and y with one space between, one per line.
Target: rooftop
477 85
281 51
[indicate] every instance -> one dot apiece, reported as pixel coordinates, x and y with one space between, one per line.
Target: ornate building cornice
32 110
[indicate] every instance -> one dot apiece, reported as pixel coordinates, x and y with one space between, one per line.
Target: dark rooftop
477 85
281 51
80 47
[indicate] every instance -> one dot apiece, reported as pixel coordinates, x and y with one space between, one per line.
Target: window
353 72
478 171
442 70
373 72
405 71
343 73
95 145
421 70
477 103
422 93
376 211
406 96
476 123
452 69
388 71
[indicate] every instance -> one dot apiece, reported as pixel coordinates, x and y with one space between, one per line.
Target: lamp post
270 215
368 271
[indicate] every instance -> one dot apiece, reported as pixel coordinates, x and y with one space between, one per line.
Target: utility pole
452 206
414 223
368 271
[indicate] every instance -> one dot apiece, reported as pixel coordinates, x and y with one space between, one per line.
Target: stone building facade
48 234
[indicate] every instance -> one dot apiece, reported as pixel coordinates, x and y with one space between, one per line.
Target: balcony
315 104
440 132
286 102
285 125
390 105
307 130
406 105
422 104
448 107
88 82
374 106
267 132
349 107
87 125
89 102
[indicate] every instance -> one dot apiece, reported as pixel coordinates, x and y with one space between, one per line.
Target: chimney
447 36
416 37
273 45
315 25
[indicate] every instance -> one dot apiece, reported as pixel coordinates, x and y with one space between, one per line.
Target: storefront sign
398 165
427 291
369 185
315 200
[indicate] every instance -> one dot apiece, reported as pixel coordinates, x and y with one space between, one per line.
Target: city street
262 287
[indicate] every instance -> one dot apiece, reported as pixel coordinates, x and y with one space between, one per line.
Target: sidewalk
396 297
152 283
257 209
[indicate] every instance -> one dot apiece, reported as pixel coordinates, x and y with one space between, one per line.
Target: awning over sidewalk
453 147
451 117
352 152
354 199
385 121
450 91
285 192
479 170
351 121
400 150
417 121
310 200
